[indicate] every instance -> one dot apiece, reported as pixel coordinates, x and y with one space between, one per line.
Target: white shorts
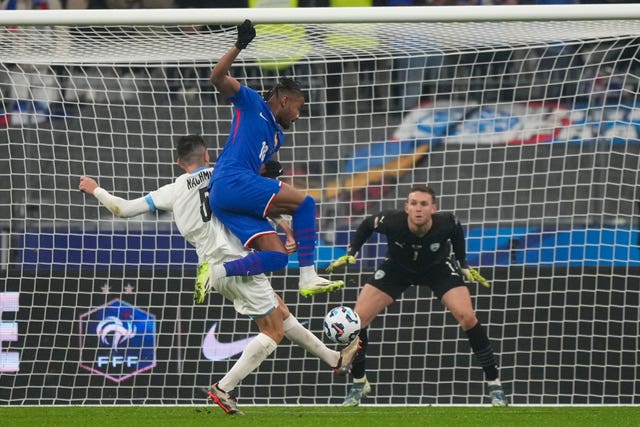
252 296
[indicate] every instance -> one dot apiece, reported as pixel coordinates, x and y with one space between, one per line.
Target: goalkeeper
425 248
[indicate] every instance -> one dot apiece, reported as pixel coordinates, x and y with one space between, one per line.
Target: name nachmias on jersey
196 180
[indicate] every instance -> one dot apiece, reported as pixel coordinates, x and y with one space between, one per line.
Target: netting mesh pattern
87 45
528 131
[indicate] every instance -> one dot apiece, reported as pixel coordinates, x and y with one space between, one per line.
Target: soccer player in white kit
187 197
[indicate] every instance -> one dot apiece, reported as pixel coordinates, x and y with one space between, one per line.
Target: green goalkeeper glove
246 33
341 262
472 275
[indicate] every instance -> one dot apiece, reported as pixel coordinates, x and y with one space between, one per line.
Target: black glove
246 33
272 169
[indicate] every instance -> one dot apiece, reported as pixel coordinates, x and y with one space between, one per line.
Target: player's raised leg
261 197
303 210
340 361
203 283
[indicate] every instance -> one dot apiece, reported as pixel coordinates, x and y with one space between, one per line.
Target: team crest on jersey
434 247
379 274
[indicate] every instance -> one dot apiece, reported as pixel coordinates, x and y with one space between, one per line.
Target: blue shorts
241 201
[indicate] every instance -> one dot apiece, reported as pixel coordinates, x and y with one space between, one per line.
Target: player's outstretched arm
246 34
117 205
227 85
364 231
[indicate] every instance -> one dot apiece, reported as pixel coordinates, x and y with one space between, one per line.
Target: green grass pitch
322 416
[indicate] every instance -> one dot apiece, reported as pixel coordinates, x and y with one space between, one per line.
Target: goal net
525 121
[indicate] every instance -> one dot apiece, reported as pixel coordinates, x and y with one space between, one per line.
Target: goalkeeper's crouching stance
252 296
420 246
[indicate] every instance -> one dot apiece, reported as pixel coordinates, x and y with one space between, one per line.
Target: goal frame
488 13
231 17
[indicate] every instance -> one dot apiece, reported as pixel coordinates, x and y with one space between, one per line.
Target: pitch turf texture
321 416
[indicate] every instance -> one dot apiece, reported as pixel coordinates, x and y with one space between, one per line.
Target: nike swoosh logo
262 115
215 350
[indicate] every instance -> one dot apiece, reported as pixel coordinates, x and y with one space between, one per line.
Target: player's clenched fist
246 33
87 185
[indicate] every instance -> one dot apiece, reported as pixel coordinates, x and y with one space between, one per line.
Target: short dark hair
424 189
189 148
285 84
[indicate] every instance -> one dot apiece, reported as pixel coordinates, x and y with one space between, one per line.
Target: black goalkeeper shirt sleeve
364 231
458 243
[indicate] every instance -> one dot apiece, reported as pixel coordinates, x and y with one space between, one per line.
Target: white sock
304 338
252 356
307 273
360 380
495 382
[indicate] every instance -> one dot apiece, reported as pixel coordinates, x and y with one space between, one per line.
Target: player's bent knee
307 206
467 321
272 326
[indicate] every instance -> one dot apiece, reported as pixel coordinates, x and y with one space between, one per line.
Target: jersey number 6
205 208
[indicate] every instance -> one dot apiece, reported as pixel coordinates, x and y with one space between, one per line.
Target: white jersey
187 197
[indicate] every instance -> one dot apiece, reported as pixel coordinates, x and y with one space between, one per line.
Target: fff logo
117 340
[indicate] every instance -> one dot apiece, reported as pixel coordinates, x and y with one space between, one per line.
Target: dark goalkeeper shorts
394 281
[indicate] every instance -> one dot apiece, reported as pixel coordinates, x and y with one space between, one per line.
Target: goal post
524 119
321 15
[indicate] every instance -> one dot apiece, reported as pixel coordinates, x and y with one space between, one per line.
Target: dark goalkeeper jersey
406 250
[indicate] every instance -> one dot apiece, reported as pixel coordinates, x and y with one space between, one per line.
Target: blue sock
304 230
256 263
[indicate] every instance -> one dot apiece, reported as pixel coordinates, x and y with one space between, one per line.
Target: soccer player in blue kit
241 198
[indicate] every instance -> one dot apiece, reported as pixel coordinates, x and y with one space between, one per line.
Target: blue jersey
254 138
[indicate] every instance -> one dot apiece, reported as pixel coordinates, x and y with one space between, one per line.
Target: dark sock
359 362
482 349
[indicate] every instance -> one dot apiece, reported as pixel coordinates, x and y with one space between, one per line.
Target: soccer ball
341 325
